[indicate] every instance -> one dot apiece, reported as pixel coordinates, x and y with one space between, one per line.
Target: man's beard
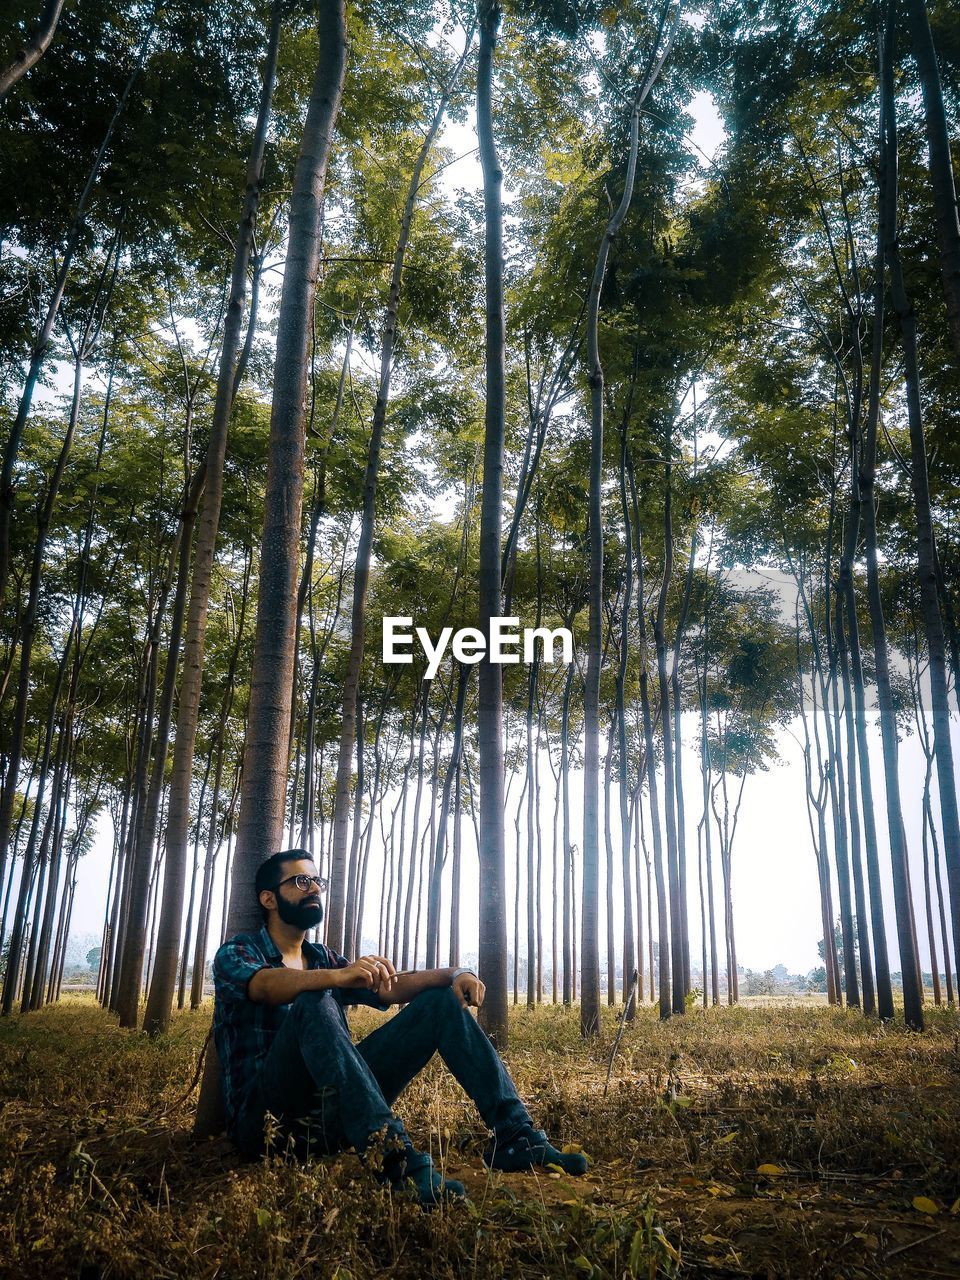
301 915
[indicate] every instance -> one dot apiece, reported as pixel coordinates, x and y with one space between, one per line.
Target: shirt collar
270 948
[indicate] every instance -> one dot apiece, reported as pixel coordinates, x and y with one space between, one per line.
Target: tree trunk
663 930
142 852
853 809
567 941
629 962
608 878
453 772
941 168
590 946
265 751
926 548
34 49
666 724
906 931
677 707
493 906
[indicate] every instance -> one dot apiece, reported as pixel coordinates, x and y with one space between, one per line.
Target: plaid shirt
243 1030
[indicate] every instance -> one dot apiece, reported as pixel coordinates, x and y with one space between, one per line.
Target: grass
773 1141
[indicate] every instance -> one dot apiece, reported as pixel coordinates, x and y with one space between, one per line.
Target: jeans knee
317 1004
438 998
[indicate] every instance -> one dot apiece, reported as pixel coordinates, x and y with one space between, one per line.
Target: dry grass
99 1176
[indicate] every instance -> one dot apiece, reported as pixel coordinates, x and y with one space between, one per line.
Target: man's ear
268 899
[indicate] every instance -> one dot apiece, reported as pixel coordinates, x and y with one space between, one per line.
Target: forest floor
773 1141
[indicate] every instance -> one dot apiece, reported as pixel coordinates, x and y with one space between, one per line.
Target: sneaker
416 1171
527 1148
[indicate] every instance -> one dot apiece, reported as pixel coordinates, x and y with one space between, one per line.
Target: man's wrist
457 973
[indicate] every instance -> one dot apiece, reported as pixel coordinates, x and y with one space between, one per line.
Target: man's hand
469 989
375 972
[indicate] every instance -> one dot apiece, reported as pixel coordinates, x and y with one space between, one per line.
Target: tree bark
906 930
493 904
941 168
590 942
926 545
34 49
260 824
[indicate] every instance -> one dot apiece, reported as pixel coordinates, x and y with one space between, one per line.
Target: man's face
298 907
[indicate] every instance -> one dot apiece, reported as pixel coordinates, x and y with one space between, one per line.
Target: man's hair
269 872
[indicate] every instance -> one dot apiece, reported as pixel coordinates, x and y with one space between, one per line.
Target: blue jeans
329 1093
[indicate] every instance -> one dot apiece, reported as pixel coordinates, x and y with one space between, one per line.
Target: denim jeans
329 1093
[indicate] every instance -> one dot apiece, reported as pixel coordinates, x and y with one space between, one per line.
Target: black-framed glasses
304 882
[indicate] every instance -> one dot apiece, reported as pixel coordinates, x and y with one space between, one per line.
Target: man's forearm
280 986
410 983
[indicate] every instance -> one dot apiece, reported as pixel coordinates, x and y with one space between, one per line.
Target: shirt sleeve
233 966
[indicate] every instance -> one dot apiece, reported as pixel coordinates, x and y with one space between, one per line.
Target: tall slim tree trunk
677 708
440 855
650 761
567 908
493 903
941 168
629 963
414 846
454 957
926 546
265 752
34 48
590 945
28 633
666 724
147 827
906 930
853 809
706 772
608 879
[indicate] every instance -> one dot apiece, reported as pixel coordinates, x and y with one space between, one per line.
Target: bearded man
286 1050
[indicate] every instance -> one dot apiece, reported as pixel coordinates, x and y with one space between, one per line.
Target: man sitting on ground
285 1048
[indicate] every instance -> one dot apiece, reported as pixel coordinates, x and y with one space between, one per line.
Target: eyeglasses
303 882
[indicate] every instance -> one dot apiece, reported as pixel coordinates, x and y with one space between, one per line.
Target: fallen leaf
771 1170
923 1204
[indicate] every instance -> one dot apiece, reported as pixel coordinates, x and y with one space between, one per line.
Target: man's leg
314 1079
436 1022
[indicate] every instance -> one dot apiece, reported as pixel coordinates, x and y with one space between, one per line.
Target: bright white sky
776 900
